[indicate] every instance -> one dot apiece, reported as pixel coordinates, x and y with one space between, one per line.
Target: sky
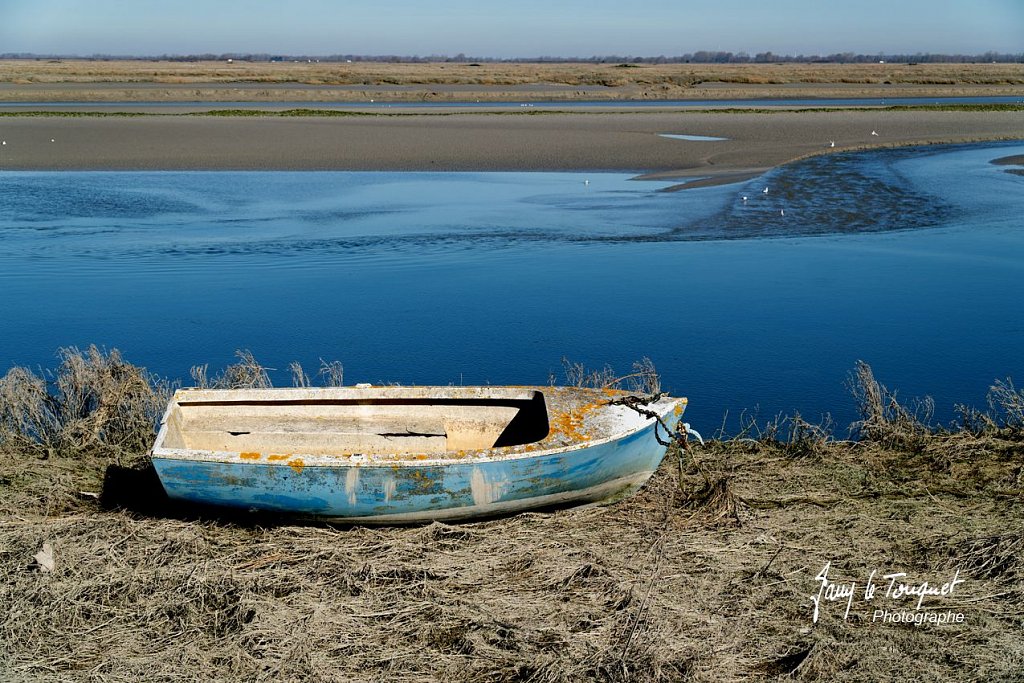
510 28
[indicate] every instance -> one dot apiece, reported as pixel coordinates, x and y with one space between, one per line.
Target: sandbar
473 141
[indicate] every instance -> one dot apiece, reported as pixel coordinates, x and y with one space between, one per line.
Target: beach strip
630 142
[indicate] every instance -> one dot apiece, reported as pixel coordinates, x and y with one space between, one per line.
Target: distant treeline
700 57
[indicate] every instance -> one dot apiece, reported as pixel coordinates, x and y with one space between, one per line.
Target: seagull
874 133
782 212
764 191
586 182
744 198
831 143
52 140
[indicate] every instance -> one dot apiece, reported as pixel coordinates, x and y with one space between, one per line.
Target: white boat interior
340 421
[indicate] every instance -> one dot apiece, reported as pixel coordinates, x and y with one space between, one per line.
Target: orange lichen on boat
250 456
275 457
296 465
570 424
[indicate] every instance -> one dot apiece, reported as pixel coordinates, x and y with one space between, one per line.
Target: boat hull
454 488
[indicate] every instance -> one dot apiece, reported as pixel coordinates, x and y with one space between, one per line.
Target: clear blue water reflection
911 260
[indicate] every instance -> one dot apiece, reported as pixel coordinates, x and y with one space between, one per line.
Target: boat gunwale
344 461
198 396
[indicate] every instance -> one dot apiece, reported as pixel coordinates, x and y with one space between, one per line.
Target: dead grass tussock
716 501
247 373
331 374
883 418
93 400
643 379
999 556
1007 404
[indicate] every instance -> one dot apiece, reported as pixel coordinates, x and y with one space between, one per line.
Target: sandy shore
624 141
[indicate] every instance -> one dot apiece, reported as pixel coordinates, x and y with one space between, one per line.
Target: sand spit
625 142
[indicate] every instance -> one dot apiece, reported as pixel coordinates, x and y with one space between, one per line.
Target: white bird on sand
52 140
831 143
874 133
764 191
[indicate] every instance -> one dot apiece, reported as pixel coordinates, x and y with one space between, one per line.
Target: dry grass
883 418
643 379
492 81
648 589
247 373
94 400
378 73
331 374
711 581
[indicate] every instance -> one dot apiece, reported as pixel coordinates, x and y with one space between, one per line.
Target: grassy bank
25 72
142 81
706 574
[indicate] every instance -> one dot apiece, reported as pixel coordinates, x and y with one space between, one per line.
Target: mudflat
138 131
627 141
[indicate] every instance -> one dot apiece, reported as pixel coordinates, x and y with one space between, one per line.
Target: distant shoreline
272 82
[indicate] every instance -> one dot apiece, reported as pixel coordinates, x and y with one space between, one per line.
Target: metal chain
634 402
678 436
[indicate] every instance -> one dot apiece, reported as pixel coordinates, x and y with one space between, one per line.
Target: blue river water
910 259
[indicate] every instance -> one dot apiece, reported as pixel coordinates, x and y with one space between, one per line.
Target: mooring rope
677 436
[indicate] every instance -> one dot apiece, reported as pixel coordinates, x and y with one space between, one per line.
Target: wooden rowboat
407 454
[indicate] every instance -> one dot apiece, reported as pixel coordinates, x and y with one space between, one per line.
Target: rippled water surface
909 259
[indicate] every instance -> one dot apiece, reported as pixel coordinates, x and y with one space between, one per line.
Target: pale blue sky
513 28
